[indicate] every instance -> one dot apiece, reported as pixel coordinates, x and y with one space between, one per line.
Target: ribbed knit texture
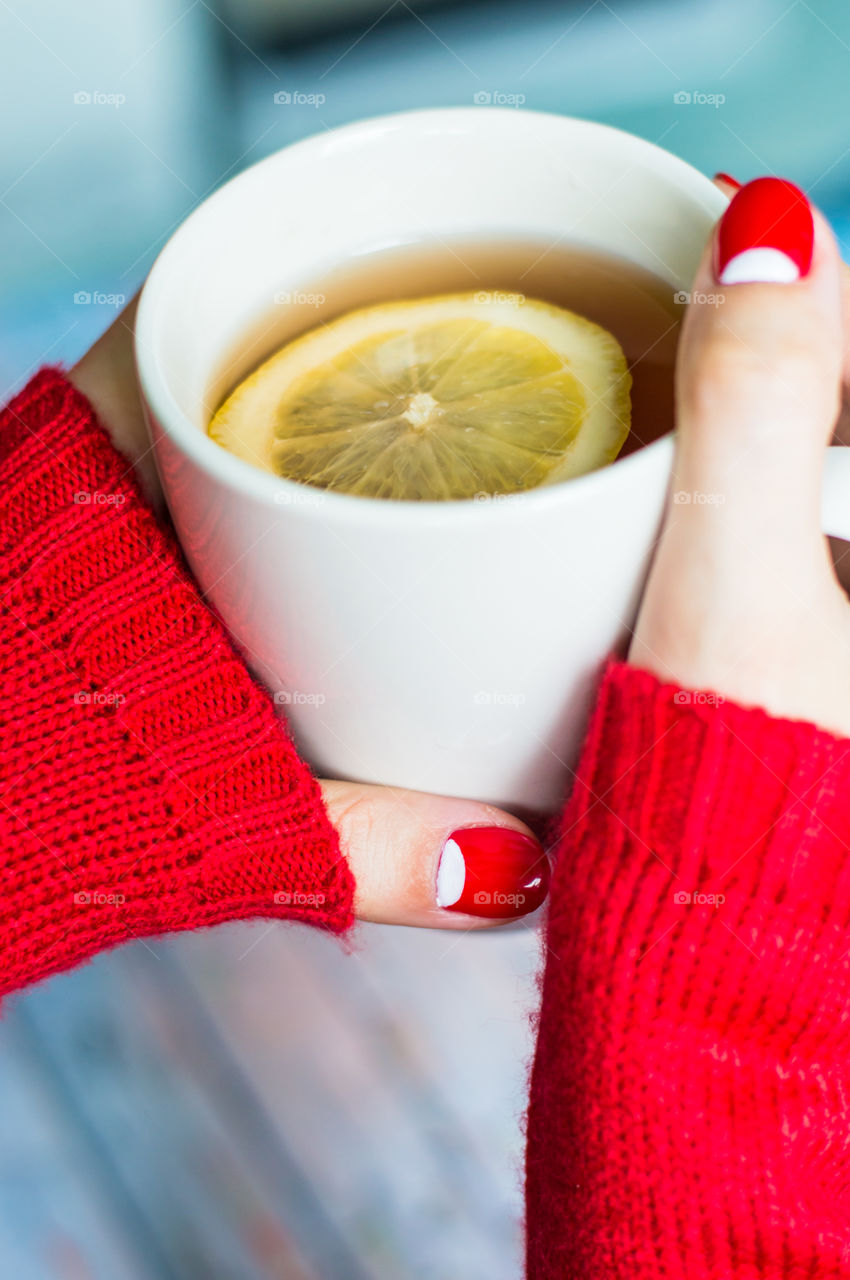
690 1105
146 783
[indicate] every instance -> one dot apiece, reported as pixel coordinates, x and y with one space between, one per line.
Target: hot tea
453 369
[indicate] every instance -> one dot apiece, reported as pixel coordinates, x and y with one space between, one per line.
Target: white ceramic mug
445 646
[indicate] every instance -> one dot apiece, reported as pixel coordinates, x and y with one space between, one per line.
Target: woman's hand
742 598
417 859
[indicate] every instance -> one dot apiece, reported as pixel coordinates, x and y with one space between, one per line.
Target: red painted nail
766 234
728 179
492 872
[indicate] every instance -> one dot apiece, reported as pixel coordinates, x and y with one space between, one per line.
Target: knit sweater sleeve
146 784
690 1104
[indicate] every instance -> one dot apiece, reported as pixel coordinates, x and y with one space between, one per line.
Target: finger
106 375
839 550
436 862
842 429
759 370
742 562
729 185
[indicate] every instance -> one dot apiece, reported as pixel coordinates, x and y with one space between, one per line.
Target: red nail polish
766 234
728 179
493 872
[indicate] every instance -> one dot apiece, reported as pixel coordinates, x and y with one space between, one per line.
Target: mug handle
835 495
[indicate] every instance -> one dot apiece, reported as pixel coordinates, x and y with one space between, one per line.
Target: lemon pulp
438 398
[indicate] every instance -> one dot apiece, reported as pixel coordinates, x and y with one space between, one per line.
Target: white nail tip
760 266
451 875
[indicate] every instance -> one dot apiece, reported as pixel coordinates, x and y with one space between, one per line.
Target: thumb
741 597
759 371
433 861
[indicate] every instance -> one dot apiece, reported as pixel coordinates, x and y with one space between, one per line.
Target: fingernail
728 179
767 235
493 872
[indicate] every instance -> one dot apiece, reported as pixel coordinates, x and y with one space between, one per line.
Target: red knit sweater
145 782
690 1101
689 1104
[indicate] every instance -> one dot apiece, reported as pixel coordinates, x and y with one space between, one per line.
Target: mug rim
238 475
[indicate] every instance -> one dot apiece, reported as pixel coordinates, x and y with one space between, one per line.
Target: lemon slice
438 398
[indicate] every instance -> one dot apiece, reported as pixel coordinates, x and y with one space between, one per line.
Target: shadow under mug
444 646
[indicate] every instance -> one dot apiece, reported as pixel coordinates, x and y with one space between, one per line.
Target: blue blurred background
252 1103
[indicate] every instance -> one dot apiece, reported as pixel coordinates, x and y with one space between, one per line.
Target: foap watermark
298 299
495 497
98 698
696 98
97 498
298 698
682 898
96 298
484 899
697 698
97 98
98 898
300 496
498 698
295 98
496 295
697 498
286 899
496 98
694 297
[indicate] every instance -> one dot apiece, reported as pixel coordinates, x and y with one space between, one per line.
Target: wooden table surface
253 1103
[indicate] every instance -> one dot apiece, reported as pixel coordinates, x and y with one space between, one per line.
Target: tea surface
637 307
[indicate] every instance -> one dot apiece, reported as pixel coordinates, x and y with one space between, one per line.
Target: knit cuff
148 784
716 793
688 1111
